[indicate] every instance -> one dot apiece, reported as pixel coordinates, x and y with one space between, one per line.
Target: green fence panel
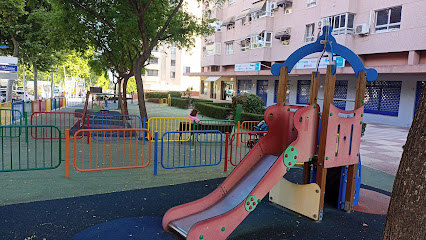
20 153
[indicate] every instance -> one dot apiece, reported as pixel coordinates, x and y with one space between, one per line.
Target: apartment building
252 35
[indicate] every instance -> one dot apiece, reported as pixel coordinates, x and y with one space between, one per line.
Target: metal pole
155 153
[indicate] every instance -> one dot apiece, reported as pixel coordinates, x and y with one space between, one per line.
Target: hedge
251 103
226 105
251 117
194 100
181 102
213 111
163 94
153 100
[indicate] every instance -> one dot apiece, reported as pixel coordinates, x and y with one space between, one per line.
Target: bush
194 100
251 117
153 100
213 111
156 95
181 102
226 105
174 94
251 103
163 94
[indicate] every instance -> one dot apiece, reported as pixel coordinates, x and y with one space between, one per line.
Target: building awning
228 21
243 14
257 6
284 3
211 79
286 33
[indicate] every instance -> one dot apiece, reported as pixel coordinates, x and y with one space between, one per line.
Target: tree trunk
139 86
124 105
15 46
35 81
406 218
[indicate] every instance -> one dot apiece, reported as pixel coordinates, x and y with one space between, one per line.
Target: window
342 23
150 72
245 45
229 48
311 3
388 19
172 63
204 87
303 91
288 9
419 90
231 2
261 40
153 60
212 49
172 74
261 9
215 68
382 97
173 49
276 92
244 86
186 69
309 33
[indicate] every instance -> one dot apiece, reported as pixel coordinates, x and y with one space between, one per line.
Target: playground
79 172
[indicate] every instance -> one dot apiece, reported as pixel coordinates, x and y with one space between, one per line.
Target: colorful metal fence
238 151
20 153
113 121
170 124
10 117
184 155
73 121
107 155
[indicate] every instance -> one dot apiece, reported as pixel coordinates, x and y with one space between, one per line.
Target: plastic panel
343 137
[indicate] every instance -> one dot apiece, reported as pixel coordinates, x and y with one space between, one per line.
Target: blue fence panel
53 104
382 97
420 86
18 105
115 121
341 92
186 154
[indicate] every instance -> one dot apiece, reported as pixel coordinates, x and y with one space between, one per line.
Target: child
193 116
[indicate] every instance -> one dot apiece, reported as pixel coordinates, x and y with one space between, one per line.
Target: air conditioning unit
324 22
362 29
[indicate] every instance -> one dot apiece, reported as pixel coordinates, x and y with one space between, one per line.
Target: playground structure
262 169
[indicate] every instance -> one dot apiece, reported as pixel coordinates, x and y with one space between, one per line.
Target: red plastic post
226 152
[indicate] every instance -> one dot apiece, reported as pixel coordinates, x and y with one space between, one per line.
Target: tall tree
138 26
406 218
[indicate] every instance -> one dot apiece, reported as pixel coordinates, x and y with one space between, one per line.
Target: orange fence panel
101 153
238 151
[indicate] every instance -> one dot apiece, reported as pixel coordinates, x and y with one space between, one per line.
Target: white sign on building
247 67
311 63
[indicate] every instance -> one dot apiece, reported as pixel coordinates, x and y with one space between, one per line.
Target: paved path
381 147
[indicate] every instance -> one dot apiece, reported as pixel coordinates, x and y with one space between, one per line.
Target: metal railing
112 121
73 121
223 126
237 152
107 155
184 155
20 153
170 124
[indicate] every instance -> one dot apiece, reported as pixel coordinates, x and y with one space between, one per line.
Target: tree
406 218
129 30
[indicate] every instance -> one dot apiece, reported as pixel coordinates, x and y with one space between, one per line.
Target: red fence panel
238 151
73 121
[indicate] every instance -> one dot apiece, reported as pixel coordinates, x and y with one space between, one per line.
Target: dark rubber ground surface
65 218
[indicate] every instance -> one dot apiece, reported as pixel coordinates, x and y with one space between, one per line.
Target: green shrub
156 95
213 111
251 117
194 100
174 94
153 100
251 103
226 105
181 102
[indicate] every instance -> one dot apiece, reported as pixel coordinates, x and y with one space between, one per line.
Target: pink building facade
252 35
